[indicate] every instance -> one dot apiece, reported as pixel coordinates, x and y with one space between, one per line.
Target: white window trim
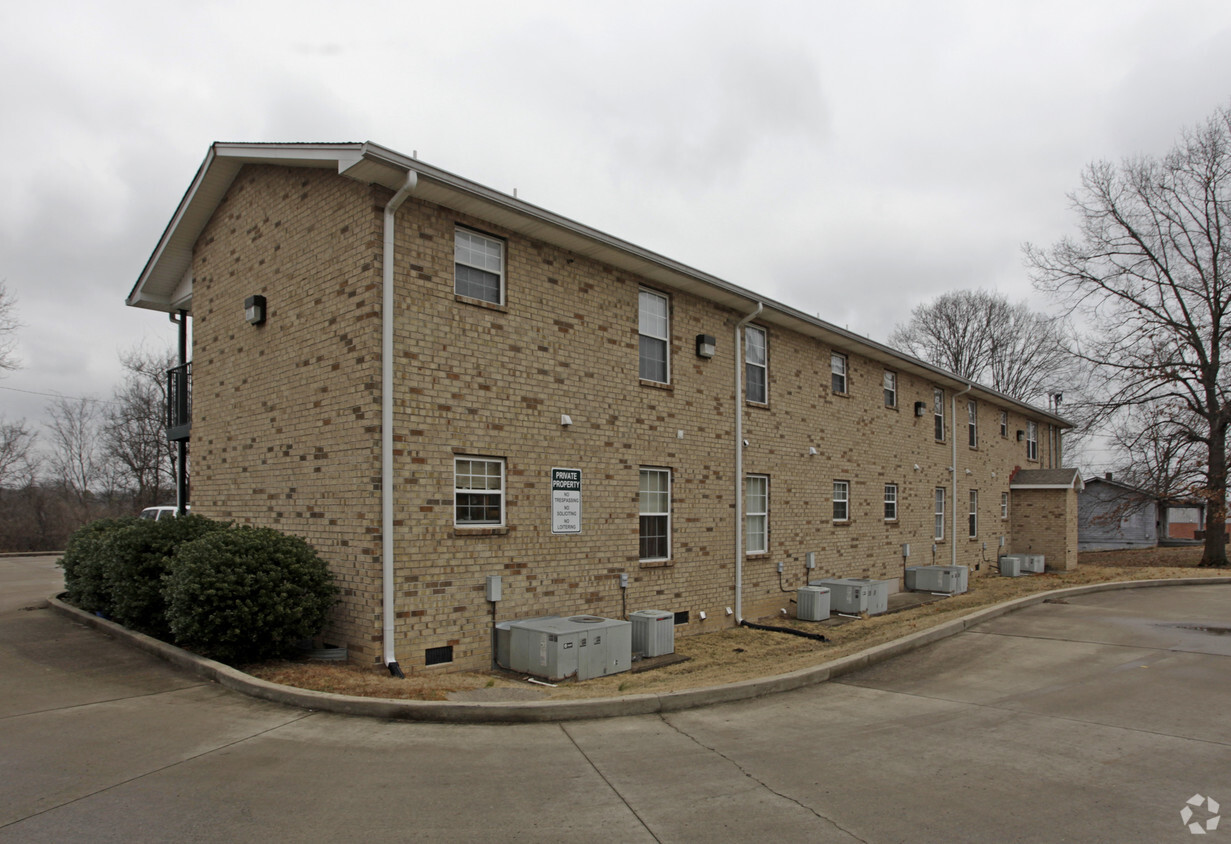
658 470
499 493
1004 505
891 388
938 507
1032 441
973 516
893 501
1004 424
665 339
972 423
834 359
764 366
938 413
751 514
503 261
846 500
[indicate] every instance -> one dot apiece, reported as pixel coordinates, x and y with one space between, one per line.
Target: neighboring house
1113 515
435 383
1183 522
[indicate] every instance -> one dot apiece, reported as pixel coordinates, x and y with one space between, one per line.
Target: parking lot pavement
1093 720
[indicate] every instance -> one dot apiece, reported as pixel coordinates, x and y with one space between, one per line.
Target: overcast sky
849 159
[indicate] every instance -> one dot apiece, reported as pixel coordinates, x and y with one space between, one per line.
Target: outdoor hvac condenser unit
653 632
504 636
1011 565
584 646
952 580
1033 563
856 594
812 603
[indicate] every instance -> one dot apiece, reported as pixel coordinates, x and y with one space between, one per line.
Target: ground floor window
891 502
654 498
974 513
478 491
841 501
756 522
938 530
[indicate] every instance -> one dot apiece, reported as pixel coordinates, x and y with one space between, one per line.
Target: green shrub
246 594
135 559
85 578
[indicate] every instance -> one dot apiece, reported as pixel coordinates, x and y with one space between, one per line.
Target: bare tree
17 460
135 435
1150 274
981 336
75 458
1156 455
8 329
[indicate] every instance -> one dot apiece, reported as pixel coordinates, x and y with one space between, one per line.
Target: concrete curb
568 710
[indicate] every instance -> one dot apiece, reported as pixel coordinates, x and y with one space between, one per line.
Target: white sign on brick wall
566 501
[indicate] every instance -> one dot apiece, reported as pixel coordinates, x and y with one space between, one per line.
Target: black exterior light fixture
706 345
920 408
254 310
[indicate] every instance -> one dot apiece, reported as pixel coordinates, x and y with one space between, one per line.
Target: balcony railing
179 402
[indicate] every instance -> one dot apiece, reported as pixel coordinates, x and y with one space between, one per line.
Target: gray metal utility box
812 603
581 646
1011 564
856 594
951 580
653 632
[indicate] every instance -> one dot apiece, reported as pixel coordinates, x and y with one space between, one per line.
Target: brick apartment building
703 433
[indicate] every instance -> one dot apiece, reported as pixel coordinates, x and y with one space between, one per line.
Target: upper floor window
756 524
837 369
478 492
891 389
972 424
478 266
1032 441
841 501
654 505
938 412
1004 424
654 327
755 364
1004 505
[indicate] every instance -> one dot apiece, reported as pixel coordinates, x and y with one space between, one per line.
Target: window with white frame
891 389
938 526
653 325
841 501
891 502
1004 424
837 369
478 266
972 422
478 492
1004 505
756 520
654 505
974 513
1032 441
756 371
938 413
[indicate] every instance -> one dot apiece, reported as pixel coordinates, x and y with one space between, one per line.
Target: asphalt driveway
1092 720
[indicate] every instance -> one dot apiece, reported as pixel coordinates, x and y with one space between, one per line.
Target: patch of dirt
732 655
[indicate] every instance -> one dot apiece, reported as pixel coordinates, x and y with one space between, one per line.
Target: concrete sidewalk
1091 720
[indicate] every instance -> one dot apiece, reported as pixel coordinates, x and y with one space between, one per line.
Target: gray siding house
1112 515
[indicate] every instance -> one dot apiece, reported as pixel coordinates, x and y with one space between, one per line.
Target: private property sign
566 501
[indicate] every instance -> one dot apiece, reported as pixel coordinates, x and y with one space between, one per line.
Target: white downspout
386 427
739 462
953 541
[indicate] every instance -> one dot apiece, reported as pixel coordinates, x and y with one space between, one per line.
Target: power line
59 395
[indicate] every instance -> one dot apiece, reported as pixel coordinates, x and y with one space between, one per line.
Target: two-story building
434 382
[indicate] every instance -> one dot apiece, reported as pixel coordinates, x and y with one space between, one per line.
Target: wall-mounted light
566 420
920 408
706 345
812 449
1021 435
254 310
916 467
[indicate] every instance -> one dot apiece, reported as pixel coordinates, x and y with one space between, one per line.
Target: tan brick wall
294 405
1045 522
